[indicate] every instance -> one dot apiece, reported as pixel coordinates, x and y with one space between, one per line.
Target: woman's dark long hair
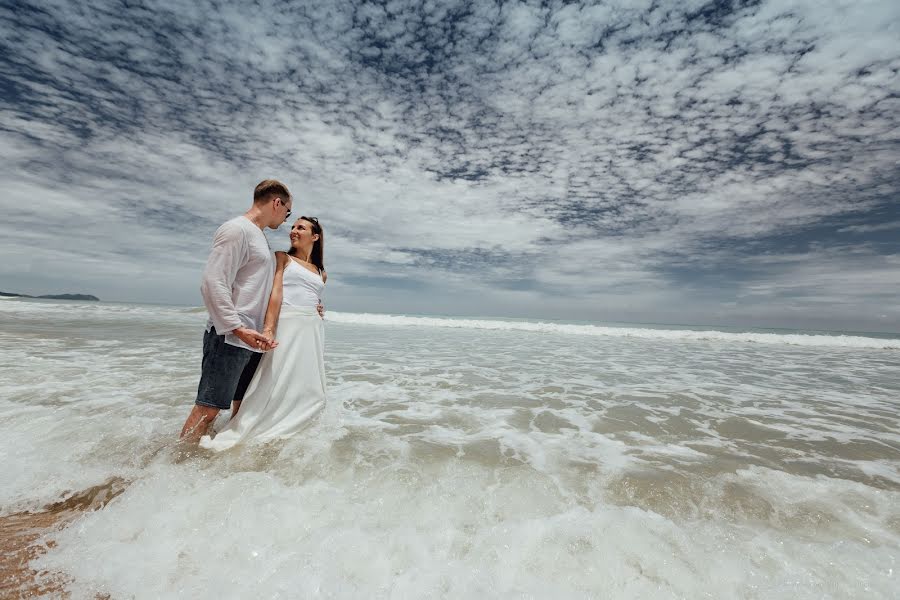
317 256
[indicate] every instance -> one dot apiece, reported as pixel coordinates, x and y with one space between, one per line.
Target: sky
712 162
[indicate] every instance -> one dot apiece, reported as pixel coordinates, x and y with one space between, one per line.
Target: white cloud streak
624 159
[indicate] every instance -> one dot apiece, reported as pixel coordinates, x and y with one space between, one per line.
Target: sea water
464 458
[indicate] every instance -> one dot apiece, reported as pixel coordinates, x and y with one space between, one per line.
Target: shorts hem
209 405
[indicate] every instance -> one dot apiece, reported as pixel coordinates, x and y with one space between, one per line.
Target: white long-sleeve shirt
237 279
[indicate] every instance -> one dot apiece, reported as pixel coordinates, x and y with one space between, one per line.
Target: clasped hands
264 341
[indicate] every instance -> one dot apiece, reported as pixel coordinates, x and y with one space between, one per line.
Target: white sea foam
462 462
457 531
794 339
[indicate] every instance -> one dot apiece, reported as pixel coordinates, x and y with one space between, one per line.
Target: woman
288 388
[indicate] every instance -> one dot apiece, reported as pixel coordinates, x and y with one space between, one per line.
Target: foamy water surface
465 458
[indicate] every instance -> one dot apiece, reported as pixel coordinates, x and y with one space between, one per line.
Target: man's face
282 210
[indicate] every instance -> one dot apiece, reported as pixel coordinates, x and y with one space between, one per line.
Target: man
236 285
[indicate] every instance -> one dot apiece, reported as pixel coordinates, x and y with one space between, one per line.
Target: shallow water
459 459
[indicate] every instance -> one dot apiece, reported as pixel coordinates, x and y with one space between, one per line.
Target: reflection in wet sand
22 539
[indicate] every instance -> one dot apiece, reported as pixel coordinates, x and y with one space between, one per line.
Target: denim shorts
225 373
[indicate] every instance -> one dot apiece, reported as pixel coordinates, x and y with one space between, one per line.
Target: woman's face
302 235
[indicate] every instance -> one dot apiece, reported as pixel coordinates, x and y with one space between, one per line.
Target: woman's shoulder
281 258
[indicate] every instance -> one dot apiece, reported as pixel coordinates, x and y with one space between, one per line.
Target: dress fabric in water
288 389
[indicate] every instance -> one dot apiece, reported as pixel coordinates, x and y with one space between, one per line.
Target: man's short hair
268 189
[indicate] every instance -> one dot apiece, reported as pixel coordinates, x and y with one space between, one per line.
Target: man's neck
254 215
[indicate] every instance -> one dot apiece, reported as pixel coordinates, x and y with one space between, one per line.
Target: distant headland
55 296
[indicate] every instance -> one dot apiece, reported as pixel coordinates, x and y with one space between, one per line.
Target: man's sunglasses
285 205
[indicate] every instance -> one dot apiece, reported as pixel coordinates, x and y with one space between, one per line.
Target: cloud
580 152
870 228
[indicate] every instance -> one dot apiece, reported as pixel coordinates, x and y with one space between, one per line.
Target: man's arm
225 258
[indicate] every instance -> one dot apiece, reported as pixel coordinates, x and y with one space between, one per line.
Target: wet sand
23 537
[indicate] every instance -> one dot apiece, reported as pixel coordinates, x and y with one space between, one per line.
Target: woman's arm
274 309
321 307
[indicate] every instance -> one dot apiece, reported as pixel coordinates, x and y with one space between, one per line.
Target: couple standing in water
272 387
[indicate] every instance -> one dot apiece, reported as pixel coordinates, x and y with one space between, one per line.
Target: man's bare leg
198 423
235 407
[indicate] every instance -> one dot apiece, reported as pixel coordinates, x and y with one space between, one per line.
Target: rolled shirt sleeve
228 254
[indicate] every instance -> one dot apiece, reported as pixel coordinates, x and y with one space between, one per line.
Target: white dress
288 388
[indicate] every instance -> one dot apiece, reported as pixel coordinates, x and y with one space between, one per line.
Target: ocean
461 458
